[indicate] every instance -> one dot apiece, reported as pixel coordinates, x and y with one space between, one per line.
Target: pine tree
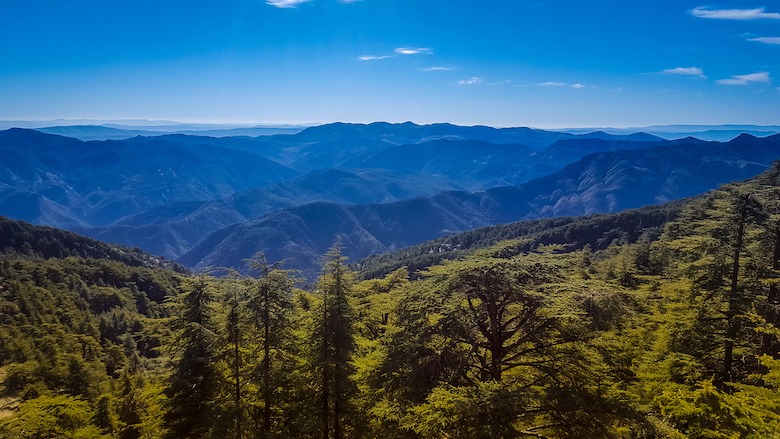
269 306
192 386
333 339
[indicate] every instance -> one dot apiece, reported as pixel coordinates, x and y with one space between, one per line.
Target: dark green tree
192 386
269 305
333 342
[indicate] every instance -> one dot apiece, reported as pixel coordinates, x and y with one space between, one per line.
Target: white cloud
286 3
434 68
371 57
577 85
733 14
767 40
553 84
412 50
744 79
688 71
472 80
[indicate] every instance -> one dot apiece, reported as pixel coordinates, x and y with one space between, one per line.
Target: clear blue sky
493 62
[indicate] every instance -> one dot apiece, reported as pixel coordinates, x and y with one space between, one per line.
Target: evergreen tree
192 386
333 343
269 304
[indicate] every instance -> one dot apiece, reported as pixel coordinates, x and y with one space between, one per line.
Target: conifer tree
269 305
233 345
193 383
333 342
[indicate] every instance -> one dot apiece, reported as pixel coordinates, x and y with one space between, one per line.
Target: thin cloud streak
745 79
766 40
507 81
686 71
412 51
472 80
734 14
433 69
577 85
553 84
286 3
399 51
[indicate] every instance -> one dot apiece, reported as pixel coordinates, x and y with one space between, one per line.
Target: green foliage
20 239
597 232
194 381
53 416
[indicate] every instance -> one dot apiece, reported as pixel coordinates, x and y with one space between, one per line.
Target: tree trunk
325 384
266 365
733 302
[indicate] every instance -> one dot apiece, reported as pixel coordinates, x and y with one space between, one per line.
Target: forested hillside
594 232
18 238
670 336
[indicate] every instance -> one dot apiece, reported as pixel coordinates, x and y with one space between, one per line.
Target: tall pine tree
333 342
193 383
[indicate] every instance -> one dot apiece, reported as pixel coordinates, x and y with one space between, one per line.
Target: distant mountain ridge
599 183
169 193
66 182
427 168
174 228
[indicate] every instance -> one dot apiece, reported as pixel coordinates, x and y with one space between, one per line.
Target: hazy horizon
171 125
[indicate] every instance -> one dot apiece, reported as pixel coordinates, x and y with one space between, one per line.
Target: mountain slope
28 240
174 228
74 183
597 231
606 182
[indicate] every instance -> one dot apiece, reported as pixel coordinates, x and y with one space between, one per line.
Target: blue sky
494 62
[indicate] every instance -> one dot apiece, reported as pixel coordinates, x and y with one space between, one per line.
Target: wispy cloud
506 81
766 40
745 79
577 85
436 68
295 3
734 14
686 71
286 3
472 80
412 50
399 51
552 84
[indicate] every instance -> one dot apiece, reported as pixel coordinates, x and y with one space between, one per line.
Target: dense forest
668 333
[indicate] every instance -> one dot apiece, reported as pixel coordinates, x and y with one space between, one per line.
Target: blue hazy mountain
167 194
417 170
99 132
174 228
603 182
66 182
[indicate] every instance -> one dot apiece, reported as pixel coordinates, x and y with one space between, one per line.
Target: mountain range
603 182
217 200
